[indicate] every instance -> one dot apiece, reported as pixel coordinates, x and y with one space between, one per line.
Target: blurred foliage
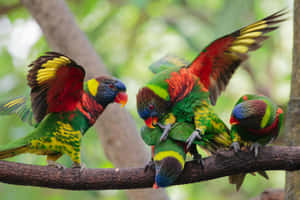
129 36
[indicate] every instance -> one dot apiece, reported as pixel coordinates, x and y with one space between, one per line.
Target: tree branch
224 163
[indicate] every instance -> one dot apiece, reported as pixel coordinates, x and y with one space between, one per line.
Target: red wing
217 62
56 84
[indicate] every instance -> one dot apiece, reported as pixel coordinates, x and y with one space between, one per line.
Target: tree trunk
292 124
117 130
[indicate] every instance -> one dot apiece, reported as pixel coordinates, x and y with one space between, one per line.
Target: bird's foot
197 158
235 146
76 165
149 166
166 131
52 163
255 147
195 135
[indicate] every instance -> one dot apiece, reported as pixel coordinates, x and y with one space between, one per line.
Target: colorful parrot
169 155
180 92
63 108
166 172
255 121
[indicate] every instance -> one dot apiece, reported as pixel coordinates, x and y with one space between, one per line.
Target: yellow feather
254 25
244 41
249 35
93 85
239 48
163 154
256 28
171 119
265 118
161 92
14 102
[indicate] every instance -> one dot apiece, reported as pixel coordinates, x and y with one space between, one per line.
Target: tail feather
237 180
13 152
263 174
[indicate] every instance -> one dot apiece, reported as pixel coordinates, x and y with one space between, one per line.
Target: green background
129 36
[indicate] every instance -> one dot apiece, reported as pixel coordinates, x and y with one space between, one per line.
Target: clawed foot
198 159
235 146
167 129
195 135
255 147
78 165
150 166
52 163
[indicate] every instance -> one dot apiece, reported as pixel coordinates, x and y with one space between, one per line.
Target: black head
107 90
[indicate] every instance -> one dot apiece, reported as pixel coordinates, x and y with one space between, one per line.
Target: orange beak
150 121
233 121
155 186
121 98
279 110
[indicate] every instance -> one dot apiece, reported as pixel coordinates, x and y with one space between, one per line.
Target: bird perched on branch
169 156
62 107
181 92
255 121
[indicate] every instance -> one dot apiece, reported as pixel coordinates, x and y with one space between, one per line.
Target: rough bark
224 163
292 124
116 128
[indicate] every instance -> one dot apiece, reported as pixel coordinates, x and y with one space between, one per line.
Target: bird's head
167 171
249 113
107 89
150 106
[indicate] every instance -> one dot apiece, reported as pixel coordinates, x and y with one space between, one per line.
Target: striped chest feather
64 139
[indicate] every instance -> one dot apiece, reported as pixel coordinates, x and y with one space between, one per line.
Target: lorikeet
171 167
168 157
63 107
182 92
255 121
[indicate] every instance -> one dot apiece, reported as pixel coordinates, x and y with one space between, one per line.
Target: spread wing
56 83
21 106
218 61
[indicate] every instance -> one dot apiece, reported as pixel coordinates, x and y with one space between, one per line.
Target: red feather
66 90
180 84
216 64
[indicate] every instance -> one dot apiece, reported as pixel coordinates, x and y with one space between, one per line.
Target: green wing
166 62
21 106
180 132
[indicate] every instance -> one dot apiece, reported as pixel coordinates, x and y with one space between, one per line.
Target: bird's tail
238 179
10 152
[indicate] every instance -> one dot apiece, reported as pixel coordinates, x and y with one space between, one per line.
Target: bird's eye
151 107
111 86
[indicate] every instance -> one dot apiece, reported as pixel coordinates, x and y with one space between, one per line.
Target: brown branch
222 164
